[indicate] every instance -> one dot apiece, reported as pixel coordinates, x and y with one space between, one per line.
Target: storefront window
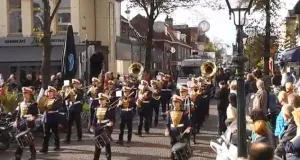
38 15
15 18
64 16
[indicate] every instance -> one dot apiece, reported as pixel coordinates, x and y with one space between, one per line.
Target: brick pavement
154 146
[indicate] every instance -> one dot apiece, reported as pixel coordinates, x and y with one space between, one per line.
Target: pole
267 44
86 63
239 61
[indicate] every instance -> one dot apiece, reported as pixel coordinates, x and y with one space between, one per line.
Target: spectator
289 88
281 123
256 115
263 134
261 151
231 111
222 104
294 100
28 81
261 97
292 147
250 84
276 79
11 82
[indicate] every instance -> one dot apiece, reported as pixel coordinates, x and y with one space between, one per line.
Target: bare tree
46 41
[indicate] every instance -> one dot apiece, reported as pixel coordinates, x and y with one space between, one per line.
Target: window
15 18
64 16
38 15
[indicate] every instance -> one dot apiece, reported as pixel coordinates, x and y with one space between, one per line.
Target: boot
129 137
56 148
120 141
108 156
32 157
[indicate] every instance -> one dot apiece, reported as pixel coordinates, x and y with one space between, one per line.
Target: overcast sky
221 28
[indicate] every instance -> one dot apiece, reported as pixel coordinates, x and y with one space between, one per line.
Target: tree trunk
46 40
267 79
148 58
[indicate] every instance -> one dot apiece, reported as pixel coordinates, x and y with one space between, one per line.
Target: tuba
136 69
208 69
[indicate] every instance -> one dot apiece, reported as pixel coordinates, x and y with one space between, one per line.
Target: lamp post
239 9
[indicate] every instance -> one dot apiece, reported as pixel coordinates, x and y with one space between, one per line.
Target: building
291 30
169 46
130 47
22 20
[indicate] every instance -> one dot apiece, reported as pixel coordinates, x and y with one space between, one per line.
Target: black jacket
222 98
290 132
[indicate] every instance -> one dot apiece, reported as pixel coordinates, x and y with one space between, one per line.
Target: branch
55 10
144 6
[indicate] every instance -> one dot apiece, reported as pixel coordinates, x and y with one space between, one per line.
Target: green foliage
10 101
260 64
216 47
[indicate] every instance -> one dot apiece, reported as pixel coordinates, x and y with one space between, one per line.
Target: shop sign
33 41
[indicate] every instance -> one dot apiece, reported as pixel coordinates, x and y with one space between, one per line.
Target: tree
216 47
153 8
46 41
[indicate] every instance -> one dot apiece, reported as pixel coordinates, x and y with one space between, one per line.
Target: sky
221 27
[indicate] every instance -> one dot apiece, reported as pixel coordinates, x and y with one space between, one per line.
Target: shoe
129 141
43 151
79 139
147 132
56 148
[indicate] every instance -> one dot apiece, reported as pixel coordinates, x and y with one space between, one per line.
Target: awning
31 54
292 55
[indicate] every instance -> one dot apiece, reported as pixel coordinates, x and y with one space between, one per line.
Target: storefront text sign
32 41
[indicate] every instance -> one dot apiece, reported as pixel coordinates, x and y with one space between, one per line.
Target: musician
51 119
111 92
198 115
166 94
94 102
74 97
155 101
128 106
103 120
144 107
177 122
27 112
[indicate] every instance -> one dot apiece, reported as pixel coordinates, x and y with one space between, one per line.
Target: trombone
115 103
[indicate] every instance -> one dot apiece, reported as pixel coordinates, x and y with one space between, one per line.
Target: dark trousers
98 150
155 108
165 105
74 116
92 105
144 120
128 123
19 152
48 128
221 121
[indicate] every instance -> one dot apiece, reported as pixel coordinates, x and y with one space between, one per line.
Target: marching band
185 115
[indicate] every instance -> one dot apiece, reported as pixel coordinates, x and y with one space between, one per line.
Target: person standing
51 119
128 107
222 104
103 122
74 97
27 113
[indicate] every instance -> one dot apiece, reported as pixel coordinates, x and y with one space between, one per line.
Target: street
153 146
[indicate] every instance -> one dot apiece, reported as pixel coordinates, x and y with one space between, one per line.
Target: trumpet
115 103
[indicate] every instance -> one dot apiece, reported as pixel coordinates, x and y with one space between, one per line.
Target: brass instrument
195 93
208 69
125 102
156 94
94 92
71 94
136 69
142 97
176 117
49 103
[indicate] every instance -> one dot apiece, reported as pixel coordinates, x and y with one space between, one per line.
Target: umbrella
69 57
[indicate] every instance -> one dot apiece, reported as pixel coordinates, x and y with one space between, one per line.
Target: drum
25 138
102 139
182 151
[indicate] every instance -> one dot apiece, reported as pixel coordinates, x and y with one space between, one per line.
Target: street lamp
239 9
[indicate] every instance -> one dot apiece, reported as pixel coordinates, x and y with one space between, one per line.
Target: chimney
169 21
177 34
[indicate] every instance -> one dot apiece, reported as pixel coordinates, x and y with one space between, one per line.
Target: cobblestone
153 146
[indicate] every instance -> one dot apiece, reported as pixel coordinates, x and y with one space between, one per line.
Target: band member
94 102
127 105
166 94
103 120
188 107
74 96
155 101
27 113
51 119
111 92
144 107
177 122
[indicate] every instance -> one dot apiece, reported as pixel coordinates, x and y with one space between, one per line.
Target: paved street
154 146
